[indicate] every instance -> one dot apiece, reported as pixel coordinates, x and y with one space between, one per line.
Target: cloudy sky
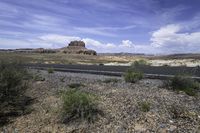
136 26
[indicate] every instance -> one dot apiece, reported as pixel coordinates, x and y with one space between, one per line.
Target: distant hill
74 47
179 56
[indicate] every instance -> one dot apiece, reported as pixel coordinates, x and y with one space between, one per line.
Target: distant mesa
77 47
42 50
74 47
76 43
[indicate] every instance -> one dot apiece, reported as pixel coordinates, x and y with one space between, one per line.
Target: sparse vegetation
144 106
62 79
61 58
111 80
50 70
133 76
12 90
139 63
76 85
79 105
38 77
176 111
11 81
186 84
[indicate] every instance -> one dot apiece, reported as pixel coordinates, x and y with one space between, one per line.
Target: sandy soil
175 62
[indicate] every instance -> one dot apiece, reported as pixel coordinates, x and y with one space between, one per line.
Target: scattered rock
117 100
139 128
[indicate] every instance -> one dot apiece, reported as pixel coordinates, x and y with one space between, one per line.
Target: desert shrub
111 80
62 79
133 76
139 63
176 111
76 85
11 77
38 77
12 90
79 105
50 70
144 106
186 84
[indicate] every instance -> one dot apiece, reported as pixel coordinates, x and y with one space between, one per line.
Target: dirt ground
123 60
119 102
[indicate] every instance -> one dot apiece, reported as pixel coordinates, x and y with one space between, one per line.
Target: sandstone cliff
77 47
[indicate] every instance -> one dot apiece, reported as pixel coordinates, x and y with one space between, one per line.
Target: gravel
119 102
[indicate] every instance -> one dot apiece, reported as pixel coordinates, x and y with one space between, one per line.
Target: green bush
111 80
133 76
11 77
79 105
50 70
139 63
144 106
13 84
186 84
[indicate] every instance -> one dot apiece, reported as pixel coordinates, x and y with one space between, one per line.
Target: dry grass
60 58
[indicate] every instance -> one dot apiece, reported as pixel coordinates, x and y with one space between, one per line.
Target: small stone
172 128
139 128
162 125
171 121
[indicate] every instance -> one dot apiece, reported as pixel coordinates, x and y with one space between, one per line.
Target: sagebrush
139 63
133 76
185 83
50 70
13 84
144 106
79 105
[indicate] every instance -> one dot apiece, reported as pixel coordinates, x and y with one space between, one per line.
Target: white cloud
8 43
58 39
103 31
167 39
170 39
92 43
126 44
110 45
93 31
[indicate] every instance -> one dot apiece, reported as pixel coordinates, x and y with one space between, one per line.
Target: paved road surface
160 71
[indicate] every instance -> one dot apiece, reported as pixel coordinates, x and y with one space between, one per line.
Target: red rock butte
77 47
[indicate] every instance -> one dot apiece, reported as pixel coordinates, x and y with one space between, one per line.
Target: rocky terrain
169 111
77 47
74 47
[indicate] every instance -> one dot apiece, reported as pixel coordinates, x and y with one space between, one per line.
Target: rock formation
77 47
42 50
74 47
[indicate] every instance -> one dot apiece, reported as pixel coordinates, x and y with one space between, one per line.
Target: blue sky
136 26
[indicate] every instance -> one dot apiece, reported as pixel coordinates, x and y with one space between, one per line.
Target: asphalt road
119 70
